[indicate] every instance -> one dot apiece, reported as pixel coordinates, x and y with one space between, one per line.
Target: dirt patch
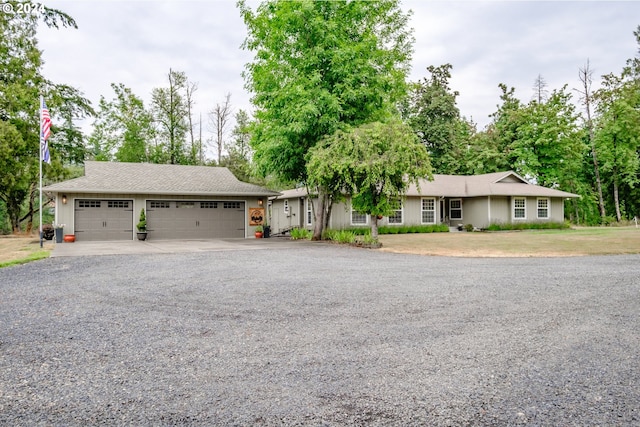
15 247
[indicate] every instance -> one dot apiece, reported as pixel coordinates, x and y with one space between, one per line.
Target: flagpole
40 149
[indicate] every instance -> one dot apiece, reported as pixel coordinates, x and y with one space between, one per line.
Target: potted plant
142 226
258 232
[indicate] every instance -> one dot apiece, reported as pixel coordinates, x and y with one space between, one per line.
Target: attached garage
103 219
205 219
180 202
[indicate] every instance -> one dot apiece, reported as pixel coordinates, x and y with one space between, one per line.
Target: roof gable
148 178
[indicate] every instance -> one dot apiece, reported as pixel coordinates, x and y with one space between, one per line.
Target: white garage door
209 219
103 220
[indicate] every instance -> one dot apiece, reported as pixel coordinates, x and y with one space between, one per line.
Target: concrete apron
167 246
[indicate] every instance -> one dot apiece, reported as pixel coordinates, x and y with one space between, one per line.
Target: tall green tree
586 96
549 144
618 134
318 66
374 163
493 148
21 84
123 128
172 120
238 159
434 116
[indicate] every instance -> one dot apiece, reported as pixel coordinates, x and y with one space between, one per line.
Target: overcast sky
487 42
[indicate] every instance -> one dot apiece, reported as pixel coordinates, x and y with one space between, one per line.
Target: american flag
45 132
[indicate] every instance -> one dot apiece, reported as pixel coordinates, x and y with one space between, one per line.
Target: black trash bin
266 231
59 234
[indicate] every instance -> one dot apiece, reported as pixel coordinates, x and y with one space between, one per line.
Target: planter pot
142 235
258 235
69 238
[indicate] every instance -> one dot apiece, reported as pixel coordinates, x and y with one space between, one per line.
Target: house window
455 209
519 208
543 209
396 217
429 211
358 218
309 210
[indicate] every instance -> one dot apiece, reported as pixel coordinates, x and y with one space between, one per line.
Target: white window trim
513 209
309 211
366 217
461 210
401 216
428 210
548 207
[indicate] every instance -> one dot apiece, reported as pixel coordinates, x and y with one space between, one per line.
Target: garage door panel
103 220
209 219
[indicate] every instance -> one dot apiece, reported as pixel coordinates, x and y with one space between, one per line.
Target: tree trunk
585 77
328 215
616 197
320 216
374 227
32 201
13 211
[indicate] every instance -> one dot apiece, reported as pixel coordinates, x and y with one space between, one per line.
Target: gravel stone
320 335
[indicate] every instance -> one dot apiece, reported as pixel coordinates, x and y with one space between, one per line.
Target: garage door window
208 205
185 205
159 205
232 205
120 204
89 204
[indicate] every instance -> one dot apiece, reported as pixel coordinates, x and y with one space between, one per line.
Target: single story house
479 200
180 202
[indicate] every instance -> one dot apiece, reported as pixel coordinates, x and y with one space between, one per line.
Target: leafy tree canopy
374 163
320 65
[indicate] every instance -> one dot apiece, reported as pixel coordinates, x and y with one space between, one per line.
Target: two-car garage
166 219
206 219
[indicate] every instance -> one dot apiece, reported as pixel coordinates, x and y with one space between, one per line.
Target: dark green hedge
529 226
403 229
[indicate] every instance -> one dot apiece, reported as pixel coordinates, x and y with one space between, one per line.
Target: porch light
64 199
260 202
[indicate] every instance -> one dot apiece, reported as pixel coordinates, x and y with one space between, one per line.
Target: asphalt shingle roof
148 178
491 184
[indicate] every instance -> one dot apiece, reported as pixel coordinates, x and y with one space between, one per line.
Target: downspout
488 211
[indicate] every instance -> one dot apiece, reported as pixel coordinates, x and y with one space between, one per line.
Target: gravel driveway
320 335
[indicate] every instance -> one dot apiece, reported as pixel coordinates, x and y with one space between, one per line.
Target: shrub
528 226
393 229
301 234
341 236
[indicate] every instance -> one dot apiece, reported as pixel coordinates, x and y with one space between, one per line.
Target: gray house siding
501 197
500 211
